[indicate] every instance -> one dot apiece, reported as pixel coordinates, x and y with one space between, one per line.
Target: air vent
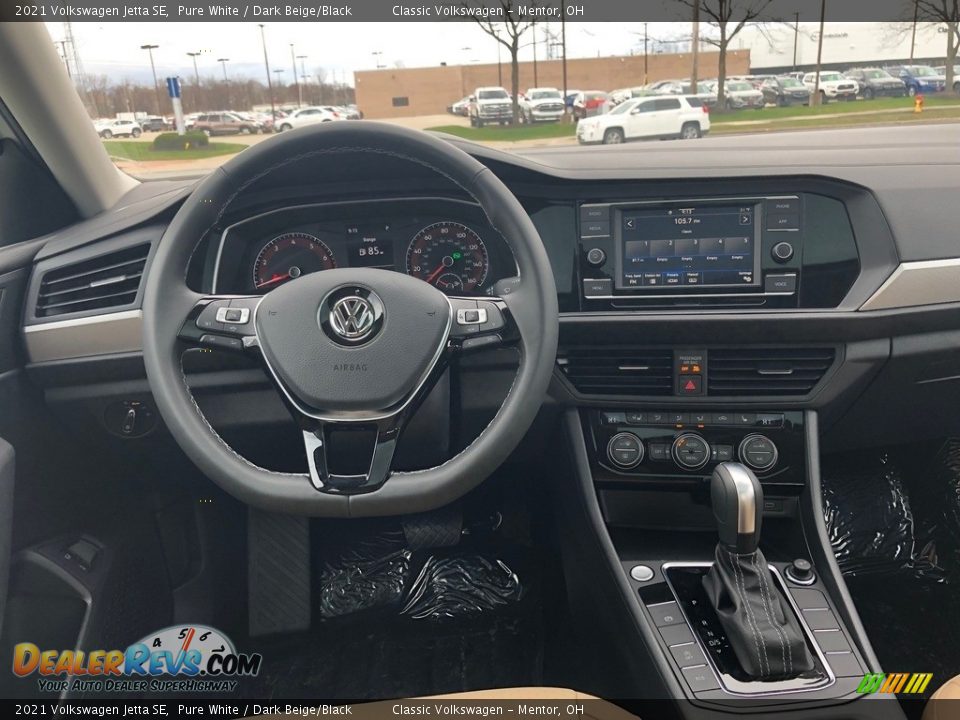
107 281
738 372
618 370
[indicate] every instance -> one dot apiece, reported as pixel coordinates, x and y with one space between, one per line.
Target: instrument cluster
446 243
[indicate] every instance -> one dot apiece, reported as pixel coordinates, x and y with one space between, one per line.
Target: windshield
179 98
624 107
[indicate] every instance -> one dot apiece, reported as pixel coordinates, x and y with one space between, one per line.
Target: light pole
533 29
796 38
293 62
196 71
266 62
153 69
196 75
303 71
378 54
646 54
223 63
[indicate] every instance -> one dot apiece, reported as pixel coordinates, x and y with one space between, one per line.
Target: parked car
305 116
262 121
874 82
645 118
705 91
919 79
118 128
758 80
740 94
541 105
154 123
225 123
589 103
460 107
785 90
942 70
832 86
490 104
569 98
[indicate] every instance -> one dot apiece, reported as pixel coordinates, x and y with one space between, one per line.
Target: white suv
117 128
647 117
541 105
833 86
306 116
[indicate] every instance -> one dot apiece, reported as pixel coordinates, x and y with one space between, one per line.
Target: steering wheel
351 348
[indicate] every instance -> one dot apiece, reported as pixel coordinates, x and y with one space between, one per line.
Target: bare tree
946 12
507 31
728 18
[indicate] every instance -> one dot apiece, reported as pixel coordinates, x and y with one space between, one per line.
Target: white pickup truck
490 104
541 105
833 86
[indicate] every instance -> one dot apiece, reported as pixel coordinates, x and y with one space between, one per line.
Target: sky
113 49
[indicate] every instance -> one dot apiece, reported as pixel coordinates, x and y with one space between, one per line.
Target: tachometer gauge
450 256
289 256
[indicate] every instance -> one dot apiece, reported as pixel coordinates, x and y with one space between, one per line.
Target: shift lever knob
737 500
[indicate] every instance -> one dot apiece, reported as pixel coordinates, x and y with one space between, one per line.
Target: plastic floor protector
893 519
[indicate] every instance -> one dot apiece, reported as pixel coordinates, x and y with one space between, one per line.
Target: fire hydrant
918 103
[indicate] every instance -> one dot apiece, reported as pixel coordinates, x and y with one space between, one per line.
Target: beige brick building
407 92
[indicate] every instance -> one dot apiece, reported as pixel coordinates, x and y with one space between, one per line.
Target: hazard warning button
690 384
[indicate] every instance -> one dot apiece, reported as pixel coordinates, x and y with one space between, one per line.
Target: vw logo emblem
351 315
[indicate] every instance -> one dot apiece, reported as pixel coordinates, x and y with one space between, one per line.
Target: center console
648 478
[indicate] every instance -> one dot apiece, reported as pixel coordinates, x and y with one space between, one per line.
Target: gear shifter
766 637
737 500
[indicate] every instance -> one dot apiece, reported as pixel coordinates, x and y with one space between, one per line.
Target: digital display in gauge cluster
370 245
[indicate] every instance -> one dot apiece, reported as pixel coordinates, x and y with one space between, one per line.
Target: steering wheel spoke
221 322
317 443
481 324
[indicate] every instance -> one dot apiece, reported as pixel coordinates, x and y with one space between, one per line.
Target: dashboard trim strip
924 282
87 336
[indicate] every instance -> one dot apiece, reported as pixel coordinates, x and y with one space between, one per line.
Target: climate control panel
657 445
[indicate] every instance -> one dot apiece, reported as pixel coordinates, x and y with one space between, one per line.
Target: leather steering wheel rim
531 299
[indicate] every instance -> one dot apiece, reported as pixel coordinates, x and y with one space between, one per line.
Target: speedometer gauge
289 256
450 256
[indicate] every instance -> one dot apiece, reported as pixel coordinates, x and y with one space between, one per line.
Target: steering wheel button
209 316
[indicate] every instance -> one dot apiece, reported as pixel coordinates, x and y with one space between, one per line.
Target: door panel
6 519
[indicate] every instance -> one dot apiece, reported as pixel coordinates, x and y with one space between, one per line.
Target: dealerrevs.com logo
193 658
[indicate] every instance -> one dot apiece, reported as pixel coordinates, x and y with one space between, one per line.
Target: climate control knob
690 451
758 452
625 450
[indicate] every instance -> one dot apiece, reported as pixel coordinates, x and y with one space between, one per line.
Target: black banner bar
308 11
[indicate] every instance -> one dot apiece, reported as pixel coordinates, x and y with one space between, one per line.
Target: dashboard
444 242
834 287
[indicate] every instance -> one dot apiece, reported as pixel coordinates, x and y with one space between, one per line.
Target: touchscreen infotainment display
687 247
